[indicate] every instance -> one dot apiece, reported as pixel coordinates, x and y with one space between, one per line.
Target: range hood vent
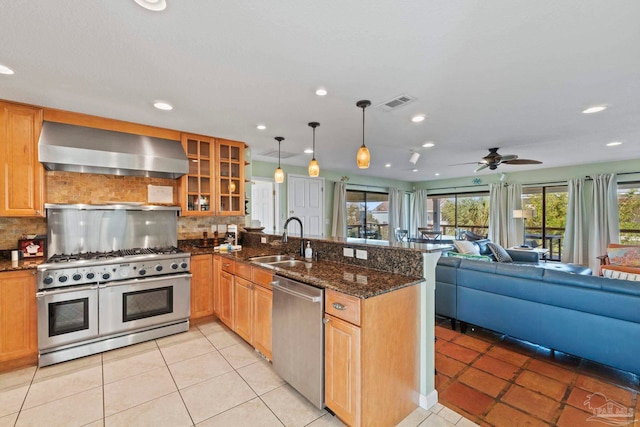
71 148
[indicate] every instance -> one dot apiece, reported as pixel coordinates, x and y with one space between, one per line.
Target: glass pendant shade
314 168
279 175
363 157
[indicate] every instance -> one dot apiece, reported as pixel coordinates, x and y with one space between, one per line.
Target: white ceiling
508 74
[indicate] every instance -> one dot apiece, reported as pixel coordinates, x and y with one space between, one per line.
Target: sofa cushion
620 275
469 256
465 247
499 252
624 255
482 246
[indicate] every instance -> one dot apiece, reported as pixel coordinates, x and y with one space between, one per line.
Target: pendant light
363 158
279 174
314 167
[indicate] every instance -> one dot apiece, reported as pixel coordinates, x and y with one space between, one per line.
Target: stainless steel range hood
72 148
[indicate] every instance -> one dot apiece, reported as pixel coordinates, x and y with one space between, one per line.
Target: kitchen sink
291 263
271 258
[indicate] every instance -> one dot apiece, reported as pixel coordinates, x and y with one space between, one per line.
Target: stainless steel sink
291 263
271 258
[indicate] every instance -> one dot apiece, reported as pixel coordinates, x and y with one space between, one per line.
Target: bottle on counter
308 252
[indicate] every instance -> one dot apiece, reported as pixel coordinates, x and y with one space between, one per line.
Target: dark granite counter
23 264
353 280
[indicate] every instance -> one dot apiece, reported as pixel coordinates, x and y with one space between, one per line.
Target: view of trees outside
629 213
472 213
367 215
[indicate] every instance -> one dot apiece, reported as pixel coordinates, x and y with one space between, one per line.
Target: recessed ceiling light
308 151
614 143
418 118
161 105
388 165
594 109
321 91
5 70
414 170
261 127
428 144
437 174
154 5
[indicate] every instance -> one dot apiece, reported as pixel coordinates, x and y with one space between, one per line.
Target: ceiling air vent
274 154
397 102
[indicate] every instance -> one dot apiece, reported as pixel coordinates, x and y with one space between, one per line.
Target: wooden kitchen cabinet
262 302
242 308
201 286
196 188
18 319
22 181
230 177
371 356
225 292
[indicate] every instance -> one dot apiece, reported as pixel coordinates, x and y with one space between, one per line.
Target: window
367 215
454 214
546 229
629 213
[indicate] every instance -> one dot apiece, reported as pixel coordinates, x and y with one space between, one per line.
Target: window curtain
576 231
503 228
396 214
604 224
418 211
339 226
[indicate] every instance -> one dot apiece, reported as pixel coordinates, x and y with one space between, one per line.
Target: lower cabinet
371 356
262 302
18 319
225 292
242 307
201 286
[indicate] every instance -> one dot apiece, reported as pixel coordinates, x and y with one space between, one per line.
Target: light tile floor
205 377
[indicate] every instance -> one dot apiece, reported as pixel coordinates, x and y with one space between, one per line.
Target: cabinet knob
325 320
339 306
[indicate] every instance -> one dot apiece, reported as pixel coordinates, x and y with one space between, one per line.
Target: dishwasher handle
278 287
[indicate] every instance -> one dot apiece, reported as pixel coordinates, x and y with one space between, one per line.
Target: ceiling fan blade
508 158
522 162
467 163
482 166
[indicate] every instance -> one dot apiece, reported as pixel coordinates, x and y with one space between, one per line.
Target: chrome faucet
284 235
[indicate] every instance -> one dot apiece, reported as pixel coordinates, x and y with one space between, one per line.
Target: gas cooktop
101 256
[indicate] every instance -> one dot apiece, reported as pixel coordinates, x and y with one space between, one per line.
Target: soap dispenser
308 252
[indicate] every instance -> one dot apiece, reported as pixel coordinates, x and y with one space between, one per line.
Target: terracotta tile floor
494 380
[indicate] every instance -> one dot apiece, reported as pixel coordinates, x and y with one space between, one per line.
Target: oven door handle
144 280
41 294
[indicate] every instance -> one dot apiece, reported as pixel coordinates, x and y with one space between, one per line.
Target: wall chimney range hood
71 148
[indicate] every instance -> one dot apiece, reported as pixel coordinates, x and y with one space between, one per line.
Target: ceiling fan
493 159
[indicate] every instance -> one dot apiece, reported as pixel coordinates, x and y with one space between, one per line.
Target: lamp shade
524 213
314 168
278 176
363 157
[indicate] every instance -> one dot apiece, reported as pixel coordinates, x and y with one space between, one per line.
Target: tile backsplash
72 187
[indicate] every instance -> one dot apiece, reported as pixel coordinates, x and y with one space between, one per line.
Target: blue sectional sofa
587 316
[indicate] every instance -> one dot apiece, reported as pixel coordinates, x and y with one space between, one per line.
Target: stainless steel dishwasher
298 337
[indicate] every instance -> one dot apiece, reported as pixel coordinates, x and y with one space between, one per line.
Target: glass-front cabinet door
197 192
230 174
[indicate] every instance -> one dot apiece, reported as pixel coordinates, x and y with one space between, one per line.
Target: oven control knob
158 267
174 266
48 280
90 276
77 276
183 265
105 276
62 278
142 272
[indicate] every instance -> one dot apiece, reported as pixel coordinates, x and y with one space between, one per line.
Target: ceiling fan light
314 168
278 176
363 158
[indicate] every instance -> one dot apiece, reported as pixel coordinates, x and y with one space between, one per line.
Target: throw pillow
627 255
621 275
499 252
469 256
465 247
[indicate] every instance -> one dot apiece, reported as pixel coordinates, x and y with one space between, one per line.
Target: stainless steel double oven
95 300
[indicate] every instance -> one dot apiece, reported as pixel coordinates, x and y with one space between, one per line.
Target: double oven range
116 278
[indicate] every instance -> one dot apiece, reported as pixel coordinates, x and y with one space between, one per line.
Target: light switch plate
361 254
347 252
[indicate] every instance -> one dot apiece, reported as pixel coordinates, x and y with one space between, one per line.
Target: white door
305 197
263 203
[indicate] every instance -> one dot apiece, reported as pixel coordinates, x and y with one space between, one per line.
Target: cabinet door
18 317
217 269
201 286
197 186
342 369
242 304
226 298
22 179
230 177
262 302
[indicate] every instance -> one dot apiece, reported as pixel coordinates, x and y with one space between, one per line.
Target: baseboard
429 400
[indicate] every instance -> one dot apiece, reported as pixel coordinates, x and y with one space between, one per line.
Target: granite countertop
349 279
23 264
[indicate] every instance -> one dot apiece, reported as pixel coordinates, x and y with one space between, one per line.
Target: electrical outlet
361 254
263 240
347 252
214 228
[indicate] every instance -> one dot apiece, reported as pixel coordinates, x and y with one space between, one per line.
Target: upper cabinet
230 174
22 181
215 182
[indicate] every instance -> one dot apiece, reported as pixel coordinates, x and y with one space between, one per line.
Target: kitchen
63 188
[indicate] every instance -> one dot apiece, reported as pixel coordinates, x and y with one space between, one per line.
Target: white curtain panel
396 214
503 228
575 234
339 226
418 210
604 225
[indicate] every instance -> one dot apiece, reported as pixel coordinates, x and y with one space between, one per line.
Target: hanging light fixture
363 158
314 167
279 174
